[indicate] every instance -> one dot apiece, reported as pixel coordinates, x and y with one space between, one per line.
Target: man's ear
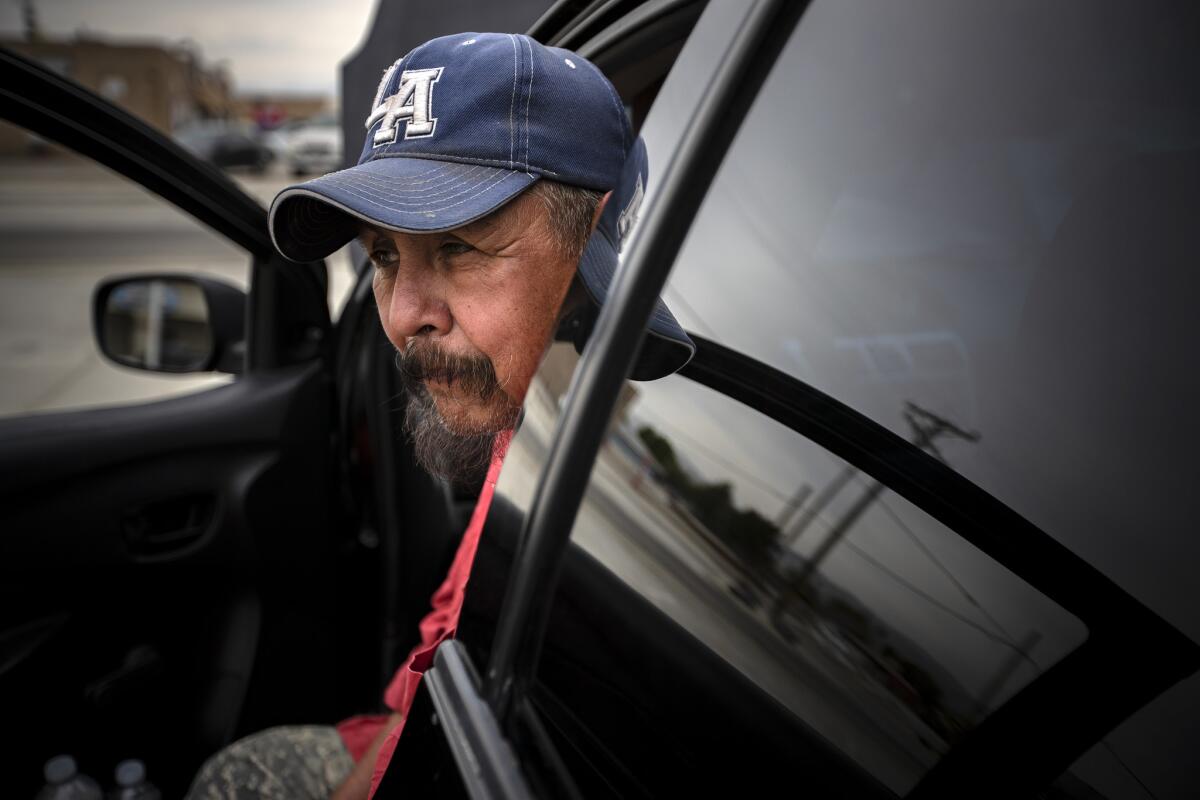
576 316
599 211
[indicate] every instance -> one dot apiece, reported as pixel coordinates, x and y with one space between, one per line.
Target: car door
830 555
171 568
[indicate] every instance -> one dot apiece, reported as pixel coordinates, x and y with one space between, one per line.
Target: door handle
164 526
141 666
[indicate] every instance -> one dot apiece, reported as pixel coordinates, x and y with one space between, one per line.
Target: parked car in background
915 522
314 145
276 140
226 144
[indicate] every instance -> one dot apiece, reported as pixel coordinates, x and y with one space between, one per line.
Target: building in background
167 85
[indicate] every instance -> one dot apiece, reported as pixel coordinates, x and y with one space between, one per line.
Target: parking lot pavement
66 224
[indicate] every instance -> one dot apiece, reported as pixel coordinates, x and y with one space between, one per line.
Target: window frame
750 52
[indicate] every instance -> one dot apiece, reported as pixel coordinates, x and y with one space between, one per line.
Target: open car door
169 568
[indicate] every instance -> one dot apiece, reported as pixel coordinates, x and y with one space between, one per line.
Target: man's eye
383 258
454 247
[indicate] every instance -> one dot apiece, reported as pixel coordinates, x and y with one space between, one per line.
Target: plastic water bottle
64 781
131 780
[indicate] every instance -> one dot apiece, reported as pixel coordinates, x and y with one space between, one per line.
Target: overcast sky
269 45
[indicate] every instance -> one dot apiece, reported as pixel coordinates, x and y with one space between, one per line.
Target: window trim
575 24
486 761
602 44
751 51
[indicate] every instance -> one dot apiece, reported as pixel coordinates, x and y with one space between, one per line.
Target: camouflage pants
291 762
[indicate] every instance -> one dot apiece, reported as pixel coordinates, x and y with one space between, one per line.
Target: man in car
489 161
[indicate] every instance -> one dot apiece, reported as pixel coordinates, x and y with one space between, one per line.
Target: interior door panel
162 567
171 573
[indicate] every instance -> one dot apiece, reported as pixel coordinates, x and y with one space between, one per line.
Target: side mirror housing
171 323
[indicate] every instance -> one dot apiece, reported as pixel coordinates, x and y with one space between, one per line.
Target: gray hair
570 209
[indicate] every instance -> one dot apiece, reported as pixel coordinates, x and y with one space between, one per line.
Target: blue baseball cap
460 126
667 347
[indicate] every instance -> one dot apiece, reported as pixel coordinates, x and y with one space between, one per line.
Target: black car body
907 525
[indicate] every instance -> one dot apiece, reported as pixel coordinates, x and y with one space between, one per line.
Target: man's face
471 312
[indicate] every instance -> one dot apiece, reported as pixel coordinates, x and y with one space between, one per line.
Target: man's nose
417 306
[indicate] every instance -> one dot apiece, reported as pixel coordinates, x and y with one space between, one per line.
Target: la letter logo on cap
413 102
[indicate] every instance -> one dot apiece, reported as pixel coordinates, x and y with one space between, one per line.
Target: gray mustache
419 363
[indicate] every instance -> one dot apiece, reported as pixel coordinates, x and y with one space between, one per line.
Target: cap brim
667 347
310 220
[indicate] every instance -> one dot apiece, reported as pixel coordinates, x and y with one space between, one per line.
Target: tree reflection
749 534
812 614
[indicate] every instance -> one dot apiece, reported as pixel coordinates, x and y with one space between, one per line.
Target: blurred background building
166 85
163 79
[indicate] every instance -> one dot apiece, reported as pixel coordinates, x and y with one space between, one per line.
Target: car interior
178 574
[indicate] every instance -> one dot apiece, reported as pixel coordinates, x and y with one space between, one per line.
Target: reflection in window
988 210
878 627
908 213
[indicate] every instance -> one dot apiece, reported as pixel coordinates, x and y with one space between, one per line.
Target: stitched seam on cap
512 99
528 96
387 189
413 188
350 191
500 163
421 207
387 193
426 177
441 167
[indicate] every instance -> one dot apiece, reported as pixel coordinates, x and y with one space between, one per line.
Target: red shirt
437 626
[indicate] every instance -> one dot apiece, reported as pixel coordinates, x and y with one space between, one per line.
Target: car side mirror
171 323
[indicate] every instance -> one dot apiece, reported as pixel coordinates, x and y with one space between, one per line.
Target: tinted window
976 214
864 618
989 210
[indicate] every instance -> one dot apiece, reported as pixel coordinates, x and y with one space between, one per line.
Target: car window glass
988 211
66 224
862 616
1005 244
